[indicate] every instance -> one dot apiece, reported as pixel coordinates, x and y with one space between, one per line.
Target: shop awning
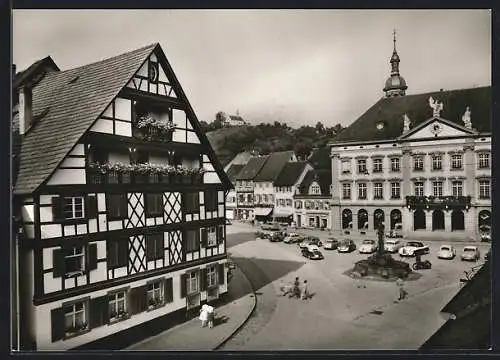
282 214
262 211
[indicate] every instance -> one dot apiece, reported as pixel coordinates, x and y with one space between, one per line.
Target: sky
293 66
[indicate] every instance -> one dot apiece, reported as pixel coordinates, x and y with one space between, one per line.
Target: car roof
470 247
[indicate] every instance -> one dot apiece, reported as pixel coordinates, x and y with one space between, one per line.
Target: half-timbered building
119 200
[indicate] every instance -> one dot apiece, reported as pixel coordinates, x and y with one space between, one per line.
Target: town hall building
420 163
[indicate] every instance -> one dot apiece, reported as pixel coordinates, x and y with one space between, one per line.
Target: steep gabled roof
38 67
320 158
323 177
273 166
234 170
72 100
252 168
390 112
290 173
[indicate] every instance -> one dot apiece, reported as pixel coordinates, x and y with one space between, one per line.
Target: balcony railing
152 134
442 202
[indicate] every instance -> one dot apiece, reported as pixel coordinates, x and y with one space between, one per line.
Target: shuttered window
154 246
98 311
72 261
117 253
192 240
73 208
169 290
154 205
156 293
138 299
117 306
210 200
116 206
192 202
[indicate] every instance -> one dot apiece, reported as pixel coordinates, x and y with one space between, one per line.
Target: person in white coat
203 315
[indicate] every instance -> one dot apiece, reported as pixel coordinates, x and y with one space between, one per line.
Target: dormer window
314 189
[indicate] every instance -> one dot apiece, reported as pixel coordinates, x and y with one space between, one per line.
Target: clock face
153 72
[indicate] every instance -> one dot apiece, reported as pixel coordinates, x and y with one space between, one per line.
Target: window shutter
183 285
222 274
122 252
58 263
150 247
204 237
169 290
57 208
203 279
138 299
57 324
91 210
98 311
92 257
124 206
220 234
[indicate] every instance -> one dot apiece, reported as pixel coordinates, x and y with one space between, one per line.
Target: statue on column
380 233
406 123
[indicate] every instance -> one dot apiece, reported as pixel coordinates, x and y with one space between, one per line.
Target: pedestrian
203 316
402 291
210 316
305 291
296 288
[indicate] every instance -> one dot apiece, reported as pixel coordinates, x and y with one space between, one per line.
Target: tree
320 128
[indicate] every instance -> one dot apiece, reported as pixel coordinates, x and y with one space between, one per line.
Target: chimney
25 109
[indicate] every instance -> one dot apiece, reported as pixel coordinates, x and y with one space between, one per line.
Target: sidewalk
190 336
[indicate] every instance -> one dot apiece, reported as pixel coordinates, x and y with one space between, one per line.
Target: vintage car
393 245
312 252
346 246
397 232
412 246
310 240
263 235
331 244
292 238
368 246
470 253
277 236
446 252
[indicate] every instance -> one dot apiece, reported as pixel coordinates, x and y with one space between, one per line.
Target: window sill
457 169
71 335
483 168
157 306
418 170
73 274
117 319
441 169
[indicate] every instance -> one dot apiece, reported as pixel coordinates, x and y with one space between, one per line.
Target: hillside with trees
266 138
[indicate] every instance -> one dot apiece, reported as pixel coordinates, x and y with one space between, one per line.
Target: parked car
271 227
412 246
346 246
277 236
263 235
310 240
470 253
292 238
368 246
397 232
393 245
312 252
446 252
331 244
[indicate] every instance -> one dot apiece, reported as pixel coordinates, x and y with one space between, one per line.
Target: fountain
381 265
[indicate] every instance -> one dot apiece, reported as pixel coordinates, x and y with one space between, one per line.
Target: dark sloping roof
233 171
320 158
43 65
236 117
273 166
290 173
252 168
390 111
323 177
72 108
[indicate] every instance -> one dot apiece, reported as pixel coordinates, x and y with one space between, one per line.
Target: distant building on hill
233 120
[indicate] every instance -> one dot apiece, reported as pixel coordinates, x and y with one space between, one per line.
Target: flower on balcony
112 167
149 120
77 328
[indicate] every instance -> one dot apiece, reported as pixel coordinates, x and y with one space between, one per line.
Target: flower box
73 330
149 128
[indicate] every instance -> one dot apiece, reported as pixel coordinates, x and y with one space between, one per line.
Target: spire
396 84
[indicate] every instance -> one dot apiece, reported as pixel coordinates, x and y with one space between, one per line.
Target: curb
250 313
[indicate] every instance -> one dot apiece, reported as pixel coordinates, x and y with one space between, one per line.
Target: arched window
346 219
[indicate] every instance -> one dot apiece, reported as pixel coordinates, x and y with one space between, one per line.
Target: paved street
340 315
